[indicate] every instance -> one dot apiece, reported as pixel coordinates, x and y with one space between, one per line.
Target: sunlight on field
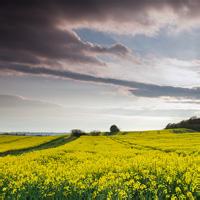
145 165
8 142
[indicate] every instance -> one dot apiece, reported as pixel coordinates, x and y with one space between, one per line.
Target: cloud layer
136 88
113 15
37 37
13 101
31 35
41 32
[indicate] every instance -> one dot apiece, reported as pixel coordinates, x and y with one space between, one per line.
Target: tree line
113 130
191 123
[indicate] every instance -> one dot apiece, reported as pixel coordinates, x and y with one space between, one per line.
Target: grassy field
140 165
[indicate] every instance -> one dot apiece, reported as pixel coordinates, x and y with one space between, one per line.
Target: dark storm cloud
48 44
38 32
136 88
48 12
29 33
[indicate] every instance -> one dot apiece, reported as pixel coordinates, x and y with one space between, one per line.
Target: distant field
141 165
166 141
11 142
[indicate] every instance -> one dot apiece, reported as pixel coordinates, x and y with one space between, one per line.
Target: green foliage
95 133
77 133
114 129
192 123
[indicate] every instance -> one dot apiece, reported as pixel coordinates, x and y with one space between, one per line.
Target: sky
88 64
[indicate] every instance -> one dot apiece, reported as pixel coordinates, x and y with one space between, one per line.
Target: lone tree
114 129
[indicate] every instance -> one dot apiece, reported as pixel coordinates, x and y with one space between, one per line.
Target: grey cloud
117 49
31 31
50 45
39 33
13 101
105 13
184 101
136 88
30 35
152 112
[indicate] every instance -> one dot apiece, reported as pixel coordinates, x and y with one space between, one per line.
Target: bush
114 129
77 132
95 133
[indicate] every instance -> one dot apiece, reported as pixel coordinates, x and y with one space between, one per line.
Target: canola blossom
8 142
149 165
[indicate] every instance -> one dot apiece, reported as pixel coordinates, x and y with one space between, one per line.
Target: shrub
77 132
114 129
95 133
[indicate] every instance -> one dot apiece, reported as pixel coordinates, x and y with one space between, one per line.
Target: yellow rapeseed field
8 142
144 165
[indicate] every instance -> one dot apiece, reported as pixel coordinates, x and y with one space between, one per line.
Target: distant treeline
192 123
113 130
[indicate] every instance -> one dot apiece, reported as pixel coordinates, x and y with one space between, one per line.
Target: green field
137 165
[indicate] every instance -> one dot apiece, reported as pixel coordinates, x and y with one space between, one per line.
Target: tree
114 129
77 132
191 123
